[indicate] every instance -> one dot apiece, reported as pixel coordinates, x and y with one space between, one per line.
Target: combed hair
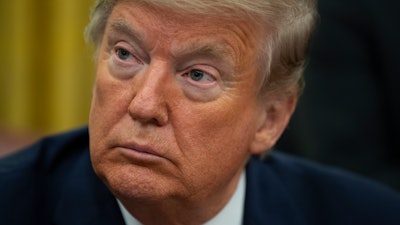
290 24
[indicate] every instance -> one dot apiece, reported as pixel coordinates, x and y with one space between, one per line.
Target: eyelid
129 43
221 70
133 53
205 83
201 90
209 70
124 68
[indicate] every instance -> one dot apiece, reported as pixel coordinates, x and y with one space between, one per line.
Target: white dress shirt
231 214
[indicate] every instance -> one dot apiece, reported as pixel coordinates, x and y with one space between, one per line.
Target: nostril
156 122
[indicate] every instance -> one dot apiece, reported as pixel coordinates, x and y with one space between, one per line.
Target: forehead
182 30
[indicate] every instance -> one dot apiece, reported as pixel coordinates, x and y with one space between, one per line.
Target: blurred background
46 70
349 115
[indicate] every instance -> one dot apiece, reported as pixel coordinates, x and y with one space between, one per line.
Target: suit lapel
267 201
85 199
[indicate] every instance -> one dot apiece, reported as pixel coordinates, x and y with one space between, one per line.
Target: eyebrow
122 27
217 51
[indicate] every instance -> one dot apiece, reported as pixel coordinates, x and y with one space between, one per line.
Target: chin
130 182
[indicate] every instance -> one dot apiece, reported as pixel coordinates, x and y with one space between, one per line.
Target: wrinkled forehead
183 14
211 35
206 7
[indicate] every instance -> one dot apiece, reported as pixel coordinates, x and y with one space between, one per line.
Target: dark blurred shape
349 115
11 142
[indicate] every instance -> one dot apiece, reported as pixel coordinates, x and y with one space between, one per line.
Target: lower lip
139 156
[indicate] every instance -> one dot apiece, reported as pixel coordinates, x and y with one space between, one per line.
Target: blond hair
290 25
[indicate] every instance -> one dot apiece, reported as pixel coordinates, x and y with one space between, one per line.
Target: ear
275 116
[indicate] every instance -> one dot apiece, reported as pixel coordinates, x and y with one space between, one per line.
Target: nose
148 105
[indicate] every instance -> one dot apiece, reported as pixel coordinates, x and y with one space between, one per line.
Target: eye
123 54
200 83
200 76
123 62
196 75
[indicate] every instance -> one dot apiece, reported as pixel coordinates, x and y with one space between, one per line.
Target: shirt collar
231 214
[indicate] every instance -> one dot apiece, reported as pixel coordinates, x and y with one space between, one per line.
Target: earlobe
273 122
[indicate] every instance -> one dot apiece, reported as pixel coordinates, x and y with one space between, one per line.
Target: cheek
215 135
109 105
215 149
110 97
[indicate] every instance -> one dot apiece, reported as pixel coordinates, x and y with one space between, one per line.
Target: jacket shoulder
36 174
325 195
47 152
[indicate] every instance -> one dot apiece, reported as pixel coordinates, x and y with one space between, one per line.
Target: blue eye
123 54
196 75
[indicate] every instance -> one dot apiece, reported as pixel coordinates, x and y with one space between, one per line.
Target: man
187 94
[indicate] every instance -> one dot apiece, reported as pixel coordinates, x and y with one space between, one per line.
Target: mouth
140 153
140 148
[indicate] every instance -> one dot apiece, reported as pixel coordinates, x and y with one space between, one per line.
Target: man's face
175 105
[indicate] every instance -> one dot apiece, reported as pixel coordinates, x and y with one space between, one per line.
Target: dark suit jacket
52 182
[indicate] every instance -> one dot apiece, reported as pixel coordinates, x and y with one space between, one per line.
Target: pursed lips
140 150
